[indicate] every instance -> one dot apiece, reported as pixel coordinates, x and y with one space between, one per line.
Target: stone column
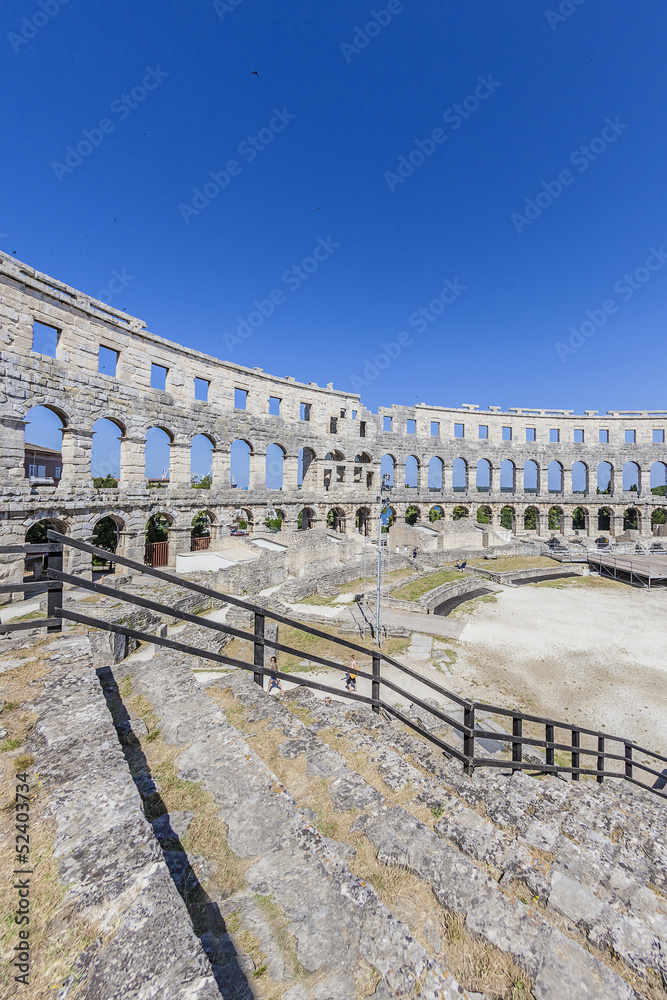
179 542
399 476
446 477
179 464
617 523
543 523
422 477
221 468
12 471
290 472
76 451
11 565
567 481
257 472
132 463
131 545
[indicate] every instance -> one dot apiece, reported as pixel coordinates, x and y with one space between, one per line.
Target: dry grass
412 591
507 563
594 582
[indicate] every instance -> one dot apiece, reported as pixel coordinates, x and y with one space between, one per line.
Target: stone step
621 913
319 930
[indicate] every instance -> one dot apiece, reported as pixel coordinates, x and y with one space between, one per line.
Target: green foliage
507 518
274 523
105 483
554 519
200 524
411 515
631 519
105 534
243 525
659 517
204 483
660 491
483 515
579 519
530 519
37 533
435 514
157 528
458 513
299 520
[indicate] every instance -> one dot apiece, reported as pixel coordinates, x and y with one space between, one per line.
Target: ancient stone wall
340 445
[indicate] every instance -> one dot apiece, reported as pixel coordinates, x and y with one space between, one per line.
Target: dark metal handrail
469 730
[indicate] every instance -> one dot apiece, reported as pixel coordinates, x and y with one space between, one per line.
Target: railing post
54 598
576 743
258 658
628 760
517 747
469 736
600 777
375 683
550 753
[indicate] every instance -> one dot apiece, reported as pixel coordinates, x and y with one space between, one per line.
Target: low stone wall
434 598
508 576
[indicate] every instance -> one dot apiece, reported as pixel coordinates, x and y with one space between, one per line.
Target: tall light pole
384 505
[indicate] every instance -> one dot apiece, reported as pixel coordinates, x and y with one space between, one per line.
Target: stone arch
658 479
362 521
306 466
412 471
556 519
658 517
435 473
508 518
240 452
106 535
605 516
531 519
388 468
631 477
531 476
555 477
272 523
632 519
436 513
507 476
43 442
274 466
484 514
460 477
106 451
579 477
35 566
306 519
201 459
363 473
459 513
336 520
201 530
605 477
157 454
483 476
412 514
580 519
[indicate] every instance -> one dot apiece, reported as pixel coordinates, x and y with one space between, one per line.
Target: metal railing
581 751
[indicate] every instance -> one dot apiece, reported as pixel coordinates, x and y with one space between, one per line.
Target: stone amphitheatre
482 815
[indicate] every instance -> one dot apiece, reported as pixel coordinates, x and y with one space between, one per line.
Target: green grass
416 589
508 563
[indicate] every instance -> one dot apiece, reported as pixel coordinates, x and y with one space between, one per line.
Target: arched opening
105 454
579 478
239 464
507 518
507 476
531 519
35 566
363 474
459 475
459 513
631 519
273 521
579 519
336 520
387 518
156 549
43 444
334 472
435 467
658 520
411 514
242 522
387 468
555 477
105 536
604 519
659 479
436 513
556 521
631 477
411 472
275 460
484 515
200 535
531 477
305 475
158 457
362 521
605 473
305 519
483 476
201 461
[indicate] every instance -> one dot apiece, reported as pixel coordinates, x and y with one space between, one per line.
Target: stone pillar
76 451
422 477
179 464
446 477
617 524
257 471
12 470
132 462
131 545
11 565
290 472
567 481
179 542
221 468
76 562
543 523
399 475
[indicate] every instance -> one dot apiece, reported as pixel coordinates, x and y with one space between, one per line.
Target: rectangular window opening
578 435
107 360
305 411
412 426
56 473
459 430
554 435
274 406
530 434
333 425
507 433
483 432
45 339
386 423
604 437
158 377
240 399
630 437
659 436
343 413
354 414
201 389
435 428
362 428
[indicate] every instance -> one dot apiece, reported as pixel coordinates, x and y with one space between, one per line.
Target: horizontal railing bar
438 713
424 680
423 732
21 626
31 549
6 588
513 713
561 769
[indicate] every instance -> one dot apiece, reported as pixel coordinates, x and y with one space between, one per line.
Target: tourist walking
274 682
351 675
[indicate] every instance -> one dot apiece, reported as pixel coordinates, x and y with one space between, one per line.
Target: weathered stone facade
344 441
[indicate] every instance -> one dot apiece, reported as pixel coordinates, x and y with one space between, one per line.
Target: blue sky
333 110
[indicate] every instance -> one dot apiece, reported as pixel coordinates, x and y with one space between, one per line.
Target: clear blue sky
345 118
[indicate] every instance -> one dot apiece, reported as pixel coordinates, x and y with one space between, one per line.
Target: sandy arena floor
594 655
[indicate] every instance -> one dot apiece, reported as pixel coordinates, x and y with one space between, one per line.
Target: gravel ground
592 655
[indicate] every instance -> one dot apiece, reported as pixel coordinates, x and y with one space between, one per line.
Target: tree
578 519
507 518
204 483
411 515
659 517
157 528
530 519
435 514
274 523
105 483
37 533
200 524
483 515
554 518
458 513
299 520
